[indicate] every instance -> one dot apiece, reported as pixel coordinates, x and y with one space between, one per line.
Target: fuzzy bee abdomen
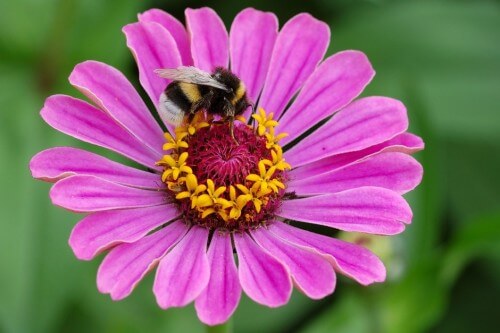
173 104
170 112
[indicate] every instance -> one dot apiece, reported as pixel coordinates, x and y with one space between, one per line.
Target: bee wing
190 74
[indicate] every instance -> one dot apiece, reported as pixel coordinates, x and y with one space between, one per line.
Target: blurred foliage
442 58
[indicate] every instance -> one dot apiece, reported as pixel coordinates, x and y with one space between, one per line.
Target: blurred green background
442 58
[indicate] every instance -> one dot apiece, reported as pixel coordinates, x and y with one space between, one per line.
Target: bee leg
251 118
194 109
191 117
203 103
229 112
231 129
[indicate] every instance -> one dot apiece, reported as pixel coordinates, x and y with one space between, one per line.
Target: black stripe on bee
177 96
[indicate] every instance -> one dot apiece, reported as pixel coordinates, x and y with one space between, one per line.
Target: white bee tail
170 112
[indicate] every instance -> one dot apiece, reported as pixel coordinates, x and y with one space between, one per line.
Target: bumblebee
221 93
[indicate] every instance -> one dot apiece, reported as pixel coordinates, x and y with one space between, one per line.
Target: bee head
236 91
226 77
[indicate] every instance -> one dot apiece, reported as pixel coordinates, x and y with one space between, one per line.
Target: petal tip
82 66
55 195
378 273
32 165
129 28
204 9
150 12
78 249
321 26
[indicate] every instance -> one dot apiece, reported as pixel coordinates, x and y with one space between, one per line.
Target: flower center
218 181
213 154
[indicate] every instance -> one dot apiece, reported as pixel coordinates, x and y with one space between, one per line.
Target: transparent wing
190 74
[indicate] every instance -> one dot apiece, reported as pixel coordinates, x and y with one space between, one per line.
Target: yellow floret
212 201
277 160
191 128
237 202
264 121
263 180
193 190
176 166
254 195
272 139
175 143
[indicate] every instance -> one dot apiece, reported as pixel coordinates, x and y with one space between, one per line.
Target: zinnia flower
200 199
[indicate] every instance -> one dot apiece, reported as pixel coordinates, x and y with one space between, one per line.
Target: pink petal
110 90
60 162
349 259
174 27
83 121
395 171
312 274
92 194
263 278
127 264
219 300
184 272
405 143
364 123
153 47
209 39
102 230
366 209
251 41
333 85
300 46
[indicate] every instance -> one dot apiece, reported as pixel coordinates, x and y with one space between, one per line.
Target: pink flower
204 198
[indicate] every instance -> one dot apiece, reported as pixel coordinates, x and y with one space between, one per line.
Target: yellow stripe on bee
191 91
240 92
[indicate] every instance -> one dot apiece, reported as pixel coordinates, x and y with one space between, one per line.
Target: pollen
217 183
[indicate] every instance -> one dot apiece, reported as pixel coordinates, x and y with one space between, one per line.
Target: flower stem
224 328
